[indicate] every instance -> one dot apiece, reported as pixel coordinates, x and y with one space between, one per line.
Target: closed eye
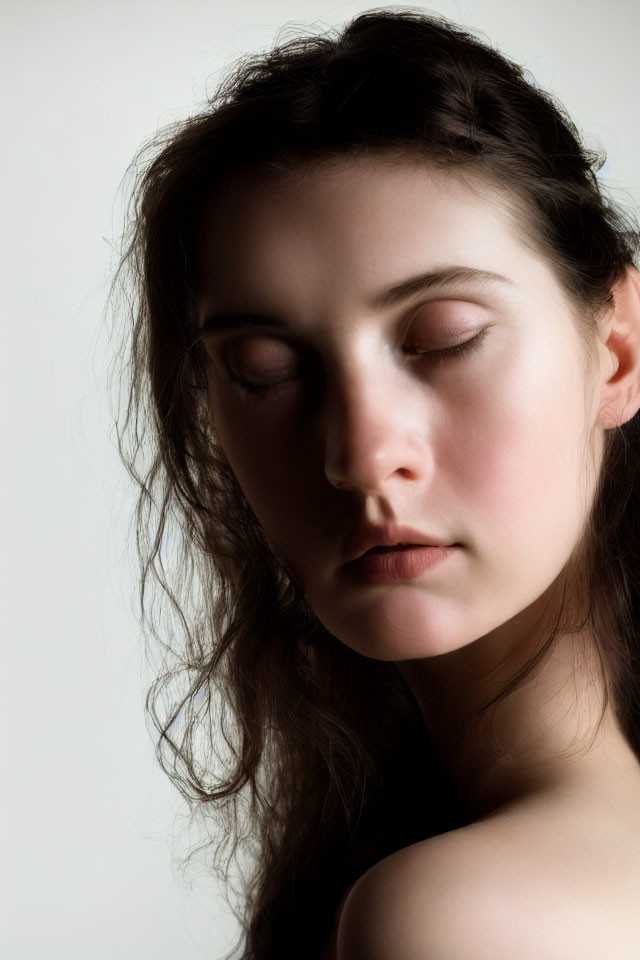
450 353
435 357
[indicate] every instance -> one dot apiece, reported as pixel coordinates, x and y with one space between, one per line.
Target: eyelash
436 357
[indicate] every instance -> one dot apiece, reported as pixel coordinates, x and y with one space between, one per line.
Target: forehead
341 227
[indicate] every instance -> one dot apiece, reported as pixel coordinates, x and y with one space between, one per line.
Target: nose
374 434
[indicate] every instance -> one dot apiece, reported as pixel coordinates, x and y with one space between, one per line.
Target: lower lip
403 563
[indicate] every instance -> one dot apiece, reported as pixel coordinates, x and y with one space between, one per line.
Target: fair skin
496 450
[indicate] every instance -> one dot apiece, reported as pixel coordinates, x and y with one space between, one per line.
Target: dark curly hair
322 741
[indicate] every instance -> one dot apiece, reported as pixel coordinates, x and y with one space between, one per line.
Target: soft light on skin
497 451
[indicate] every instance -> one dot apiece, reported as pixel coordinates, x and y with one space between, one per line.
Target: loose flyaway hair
312 760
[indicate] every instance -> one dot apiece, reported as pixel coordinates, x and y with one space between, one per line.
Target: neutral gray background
90 827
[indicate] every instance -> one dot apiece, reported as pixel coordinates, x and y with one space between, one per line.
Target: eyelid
274 342
226 355
443 355
222 349
225 340
447 309
441 339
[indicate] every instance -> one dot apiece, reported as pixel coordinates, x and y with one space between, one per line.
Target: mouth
371 538
400 561
397 546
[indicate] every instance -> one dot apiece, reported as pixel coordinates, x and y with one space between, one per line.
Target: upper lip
364 538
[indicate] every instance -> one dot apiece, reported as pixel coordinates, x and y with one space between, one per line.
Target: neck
549 733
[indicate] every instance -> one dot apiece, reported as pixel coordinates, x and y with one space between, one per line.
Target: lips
371 537
387 565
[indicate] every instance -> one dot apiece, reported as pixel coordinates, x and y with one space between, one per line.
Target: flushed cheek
521 470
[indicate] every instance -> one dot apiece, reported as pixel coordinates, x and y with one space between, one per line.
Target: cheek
520 463
258 467
267 465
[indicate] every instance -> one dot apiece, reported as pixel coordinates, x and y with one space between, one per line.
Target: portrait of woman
384 361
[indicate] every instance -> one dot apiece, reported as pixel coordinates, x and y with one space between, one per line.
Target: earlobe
620 391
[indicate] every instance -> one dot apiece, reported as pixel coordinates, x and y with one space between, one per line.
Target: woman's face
365 425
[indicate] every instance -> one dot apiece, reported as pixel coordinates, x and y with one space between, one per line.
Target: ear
619 335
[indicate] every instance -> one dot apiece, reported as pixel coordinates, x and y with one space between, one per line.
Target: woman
387 342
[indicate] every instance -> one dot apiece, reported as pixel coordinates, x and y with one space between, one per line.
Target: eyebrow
452 276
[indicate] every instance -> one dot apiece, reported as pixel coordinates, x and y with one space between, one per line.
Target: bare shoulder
520 888
444 899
